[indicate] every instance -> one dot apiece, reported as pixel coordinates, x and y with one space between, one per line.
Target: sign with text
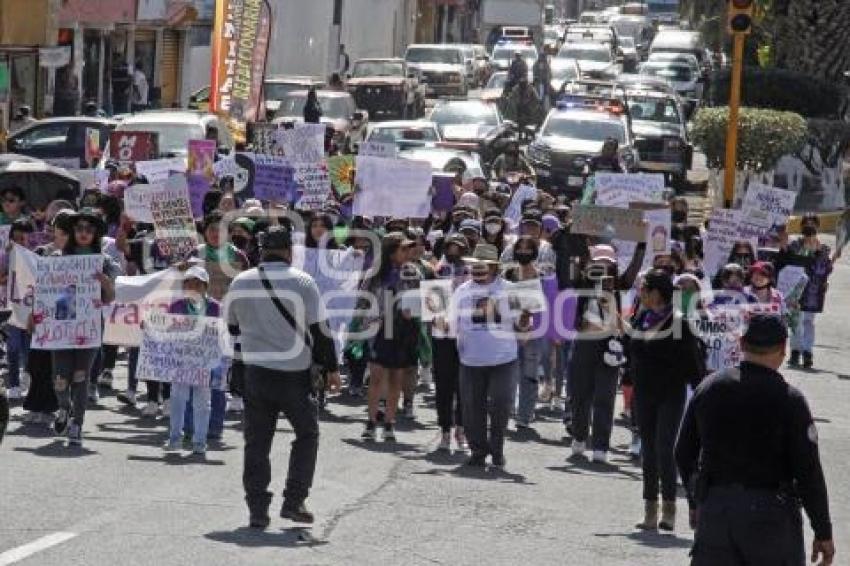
609 222
199 172
130 147
619 189
20 288
135 297
378 149
305 143
179 349
398 188
159 170
314 185
67 310
172 217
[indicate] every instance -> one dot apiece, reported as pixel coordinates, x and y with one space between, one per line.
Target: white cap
197 272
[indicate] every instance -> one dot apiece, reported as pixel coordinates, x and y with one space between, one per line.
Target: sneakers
578 447
173 445
407 410
445 442
794 360
477 461
128 398
199 449
499 462
106 379
297 513
600 456
150 410
389 432
808 360
236 405
60 425
650 516
75 435
259 520
369 432
14 393
460 438
94 395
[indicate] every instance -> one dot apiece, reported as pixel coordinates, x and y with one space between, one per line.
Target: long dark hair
389 246
310 241
72 245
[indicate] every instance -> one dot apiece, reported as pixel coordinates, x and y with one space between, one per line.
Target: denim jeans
803 338
487 392
180 394
17 351
527 377
553 373
218 408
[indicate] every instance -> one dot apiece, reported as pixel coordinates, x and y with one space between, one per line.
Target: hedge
782 89
764 136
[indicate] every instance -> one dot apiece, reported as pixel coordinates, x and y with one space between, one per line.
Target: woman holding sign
72 366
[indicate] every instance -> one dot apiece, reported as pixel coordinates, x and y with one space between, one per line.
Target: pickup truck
387 87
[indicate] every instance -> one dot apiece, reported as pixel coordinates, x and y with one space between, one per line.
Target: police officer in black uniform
748 454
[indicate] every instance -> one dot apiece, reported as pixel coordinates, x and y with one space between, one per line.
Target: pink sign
97 12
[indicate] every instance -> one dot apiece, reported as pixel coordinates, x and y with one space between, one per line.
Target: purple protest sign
274 179
444 192
199 173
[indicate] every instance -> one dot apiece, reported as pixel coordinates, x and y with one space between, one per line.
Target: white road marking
27 550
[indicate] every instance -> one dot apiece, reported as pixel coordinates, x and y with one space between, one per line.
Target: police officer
748 454
275 313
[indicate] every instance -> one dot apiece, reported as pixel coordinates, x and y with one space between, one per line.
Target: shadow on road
177 459
477 473
254 538
651 539
581 465
57 449
382 447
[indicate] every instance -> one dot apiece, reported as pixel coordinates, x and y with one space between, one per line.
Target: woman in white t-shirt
487 347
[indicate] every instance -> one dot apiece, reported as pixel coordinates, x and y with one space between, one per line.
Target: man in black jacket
748 454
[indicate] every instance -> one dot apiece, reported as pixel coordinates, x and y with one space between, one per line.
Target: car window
173 139
654 109
584 129
278 91
466 113
678 73
393 135
497 80
429 55
46 135
527 52
78 134
564 71
377 69
586 54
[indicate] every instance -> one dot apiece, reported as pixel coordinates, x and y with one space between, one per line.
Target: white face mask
492 228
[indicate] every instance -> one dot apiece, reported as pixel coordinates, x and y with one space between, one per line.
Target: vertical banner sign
67 311
200 173
240 45
129 147
172 218
92 146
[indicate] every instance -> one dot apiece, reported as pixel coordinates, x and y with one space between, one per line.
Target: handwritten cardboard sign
314 184
173 222
179 349
609 222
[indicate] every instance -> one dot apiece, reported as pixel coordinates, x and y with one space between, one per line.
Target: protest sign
132 147
226 167
397 188
609 222
272 178
619 189
172 217
721 331
791 281
341 170
20 288
137 202
92 148
305 143
724 229
159 170
179 349
777 203
527 296
135 297
263 137
514 210
199 174
444 192
314 185
436 296
387 150
67 311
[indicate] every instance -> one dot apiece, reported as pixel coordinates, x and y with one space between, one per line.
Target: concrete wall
24 22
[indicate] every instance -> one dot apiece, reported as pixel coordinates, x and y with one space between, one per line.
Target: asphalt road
122 500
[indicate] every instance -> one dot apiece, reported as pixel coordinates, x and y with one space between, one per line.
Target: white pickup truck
498 14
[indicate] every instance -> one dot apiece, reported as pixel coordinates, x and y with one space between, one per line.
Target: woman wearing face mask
732 279
242 236
743 254
530 347
762 291
355 351
810 253
494 229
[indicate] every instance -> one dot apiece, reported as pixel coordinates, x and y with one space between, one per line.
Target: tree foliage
764 136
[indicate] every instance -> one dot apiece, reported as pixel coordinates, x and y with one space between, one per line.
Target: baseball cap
603 252
197 272
470 224
763 267
765 331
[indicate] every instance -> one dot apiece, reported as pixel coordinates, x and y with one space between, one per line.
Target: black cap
276 238
766 331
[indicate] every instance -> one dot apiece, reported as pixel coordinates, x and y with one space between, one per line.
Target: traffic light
741 16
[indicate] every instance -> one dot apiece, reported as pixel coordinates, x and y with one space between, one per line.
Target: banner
20 288
398 188
444 192
609 222
199 172
159 170
272 179
135 297
130 147
92 149
240 44
172 217
305 143
54 57
619 189
179 349
724 229
721 332
67 311
314 185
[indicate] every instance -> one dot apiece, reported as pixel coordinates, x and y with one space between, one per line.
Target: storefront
20 82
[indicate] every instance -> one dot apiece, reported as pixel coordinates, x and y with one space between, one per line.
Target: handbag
317 379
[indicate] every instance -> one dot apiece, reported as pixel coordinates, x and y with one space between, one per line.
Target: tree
812 37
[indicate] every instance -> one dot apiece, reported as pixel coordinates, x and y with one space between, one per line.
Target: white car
405 134
681 77
596 60
175 128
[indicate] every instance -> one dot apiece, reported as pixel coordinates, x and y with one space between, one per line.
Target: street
123 500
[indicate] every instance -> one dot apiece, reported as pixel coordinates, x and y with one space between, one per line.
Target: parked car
59 138
659 123
277 87
441 67
338 111
405 134
477 58
552 39
596 60
176 127
388 87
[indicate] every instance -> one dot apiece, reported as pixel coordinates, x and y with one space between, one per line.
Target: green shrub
764 136
781 89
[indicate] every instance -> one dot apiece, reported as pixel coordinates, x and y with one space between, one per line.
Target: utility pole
740 25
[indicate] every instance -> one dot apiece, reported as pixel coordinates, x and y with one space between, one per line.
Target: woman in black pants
665 357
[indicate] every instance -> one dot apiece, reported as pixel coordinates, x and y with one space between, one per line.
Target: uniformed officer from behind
275 313
748 454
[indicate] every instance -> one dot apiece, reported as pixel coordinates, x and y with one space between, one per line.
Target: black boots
794 360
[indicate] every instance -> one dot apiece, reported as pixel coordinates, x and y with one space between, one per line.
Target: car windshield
497 80
627 42
465 113
335 108
563 70
278 91
551 35
654 109
586 54
377 69
678 73
397 134
429 55
584 129
526 51
173 138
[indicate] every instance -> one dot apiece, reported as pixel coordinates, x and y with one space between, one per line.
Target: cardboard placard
609 222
